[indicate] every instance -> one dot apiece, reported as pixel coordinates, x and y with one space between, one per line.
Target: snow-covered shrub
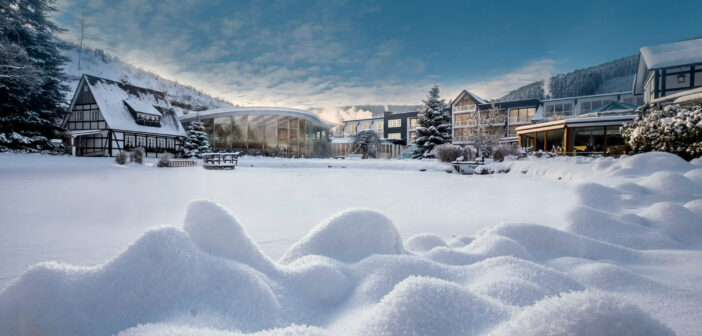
121 158
674 129
448 152
366 143
165 160
503 151
469 153
137 155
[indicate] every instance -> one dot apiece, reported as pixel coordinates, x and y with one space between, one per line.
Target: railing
464 108
464 123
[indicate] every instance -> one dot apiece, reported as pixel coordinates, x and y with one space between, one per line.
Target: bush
470 153
674 129
121 158
448 152
137 155
165 160
503 151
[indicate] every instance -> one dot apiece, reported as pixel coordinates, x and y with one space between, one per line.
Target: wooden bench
220 160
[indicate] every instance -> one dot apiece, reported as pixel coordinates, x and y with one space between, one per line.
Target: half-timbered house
107 117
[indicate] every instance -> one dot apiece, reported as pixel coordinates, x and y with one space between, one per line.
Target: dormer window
143 112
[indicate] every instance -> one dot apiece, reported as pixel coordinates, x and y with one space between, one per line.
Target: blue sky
329 53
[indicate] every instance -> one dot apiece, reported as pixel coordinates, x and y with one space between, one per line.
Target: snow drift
353 275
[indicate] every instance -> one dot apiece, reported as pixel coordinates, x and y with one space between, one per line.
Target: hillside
614 76
97 63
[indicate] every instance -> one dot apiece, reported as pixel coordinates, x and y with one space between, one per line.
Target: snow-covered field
559 246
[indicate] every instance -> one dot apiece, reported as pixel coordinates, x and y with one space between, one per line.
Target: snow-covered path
83 211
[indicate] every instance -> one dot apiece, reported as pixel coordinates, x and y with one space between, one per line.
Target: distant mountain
614 76
98 63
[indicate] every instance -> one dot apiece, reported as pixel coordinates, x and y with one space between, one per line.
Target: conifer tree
197 142
31 76
434 125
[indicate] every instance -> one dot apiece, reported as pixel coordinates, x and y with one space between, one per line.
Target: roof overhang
576 122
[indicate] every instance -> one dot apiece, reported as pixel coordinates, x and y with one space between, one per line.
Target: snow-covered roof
141 106
665 56
256 110
112 97
475 97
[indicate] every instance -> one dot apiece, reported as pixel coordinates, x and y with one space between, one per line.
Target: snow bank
584 314
352 274
376 164
349 237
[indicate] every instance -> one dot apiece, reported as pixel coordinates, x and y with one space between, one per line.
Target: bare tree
489 130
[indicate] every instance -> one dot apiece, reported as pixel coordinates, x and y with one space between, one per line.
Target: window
558 109
95 115
394 135
129 141
152 142
351 128
378 126
593 104
161 143
522 114
85 88
464 119
394 123
364 126
78 115
140 141
413 123
412 135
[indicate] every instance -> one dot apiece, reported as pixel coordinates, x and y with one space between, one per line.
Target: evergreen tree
31 76
197 142
434 125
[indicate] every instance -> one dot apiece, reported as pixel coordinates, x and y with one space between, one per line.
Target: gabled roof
665 56
112 97
473 96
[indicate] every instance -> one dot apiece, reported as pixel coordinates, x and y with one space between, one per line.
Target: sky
316 53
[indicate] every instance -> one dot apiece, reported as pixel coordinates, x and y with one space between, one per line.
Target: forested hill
614 76
97 63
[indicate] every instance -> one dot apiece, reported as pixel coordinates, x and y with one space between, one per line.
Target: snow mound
645 164
216 231
427 306
423 243
493 245
161 274
584 314
671 185
460 241
349 237
318 279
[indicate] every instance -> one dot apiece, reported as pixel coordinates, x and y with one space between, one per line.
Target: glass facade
599 140
267 134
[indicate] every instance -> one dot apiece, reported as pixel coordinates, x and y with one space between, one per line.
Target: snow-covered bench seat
220 160
181 163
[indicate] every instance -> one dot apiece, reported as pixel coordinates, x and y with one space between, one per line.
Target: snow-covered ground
560 246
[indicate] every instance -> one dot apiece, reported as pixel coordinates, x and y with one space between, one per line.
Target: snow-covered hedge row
675 129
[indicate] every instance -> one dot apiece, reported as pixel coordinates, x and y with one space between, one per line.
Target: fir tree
197 142
434 125
31 78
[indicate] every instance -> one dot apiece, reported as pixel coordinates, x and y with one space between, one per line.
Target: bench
220 160
181 163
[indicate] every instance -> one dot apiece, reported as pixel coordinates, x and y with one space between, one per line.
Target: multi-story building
395 130
468 110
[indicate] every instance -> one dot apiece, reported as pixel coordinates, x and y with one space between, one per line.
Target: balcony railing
464 123
464 108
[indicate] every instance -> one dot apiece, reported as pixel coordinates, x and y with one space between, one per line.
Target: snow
110 97
531 252
673 54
